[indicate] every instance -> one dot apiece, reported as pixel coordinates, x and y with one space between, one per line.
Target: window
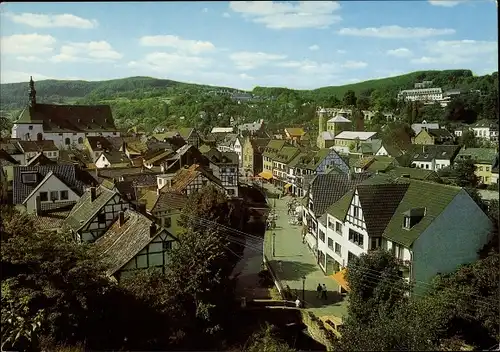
101 217
80 140
487 169
356 238
350 257
230 179
331 224
29 177
64 195
321 236
338 227
375 242
30 128
54 195
44 196
338 248
330 243
230 192
167 245
67 141
167 222
204 182
232 170
480 168
407 223
355 211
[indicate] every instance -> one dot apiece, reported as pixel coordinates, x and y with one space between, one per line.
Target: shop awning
288 186
266 175
340 278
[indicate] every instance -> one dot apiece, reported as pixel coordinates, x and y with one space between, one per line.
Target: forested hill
146 103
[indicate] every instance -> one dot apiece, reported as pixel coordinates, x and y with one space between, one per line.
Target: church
66 125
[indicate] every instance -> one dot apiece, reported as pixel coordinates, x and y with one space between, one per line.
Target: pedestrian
319 290
323 292
297 302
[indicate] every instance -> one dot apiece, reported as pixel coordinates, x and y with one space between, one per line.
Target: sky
243 44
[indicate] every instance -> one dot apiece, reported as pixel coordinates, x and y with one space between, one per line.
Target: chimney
121 218
38 206
92 194
152 229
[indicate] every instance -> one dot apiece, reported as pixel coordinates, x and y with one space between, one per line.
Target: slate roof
417 127
119 172
352 135
38 146
440 133
40 159
122 243
484 123
318 158
159 157
10 147
85 210
222 158
259 144
379 202
326 189
75 178
480 155
163 201
74 118
392 150
435 197
427 153
51 220
414 173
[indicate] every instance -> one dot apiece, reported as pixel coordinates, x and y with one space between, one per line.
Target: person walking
297 303
323 292
319 290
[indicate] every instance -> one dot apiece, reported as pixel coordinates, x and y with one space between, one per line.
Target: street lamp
274 244
304 290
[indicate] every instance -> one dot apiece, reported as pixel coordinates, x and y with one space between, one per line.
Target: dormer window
28 177
412 217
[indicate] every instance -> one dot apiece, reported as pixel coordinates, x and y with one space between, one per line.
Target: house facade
347 140
434 157
270 152
193 179
96 210
252 155
483 160
225 167
33 148
66 125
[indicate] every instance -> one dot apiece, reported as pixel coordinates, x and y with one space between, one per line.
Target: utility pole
274 244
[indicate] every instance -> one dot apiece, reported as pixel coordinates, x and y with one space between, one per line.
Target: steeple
32 93
321 127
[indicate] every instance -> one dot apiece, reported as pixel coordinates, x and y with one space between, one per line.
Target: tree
463 172
266 340
350 98
468 140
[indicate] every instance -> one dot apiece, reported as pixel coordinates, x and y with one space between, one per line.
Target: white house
431 228
345 140
66 125
33 148
485 129
193 179
434 157
425 94
55 185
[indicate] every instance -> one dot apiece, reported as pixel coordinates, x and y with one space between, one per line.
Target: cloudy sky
244 43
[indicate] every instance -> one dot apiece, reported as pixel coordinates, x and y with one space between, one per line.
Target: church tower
321 128
32 93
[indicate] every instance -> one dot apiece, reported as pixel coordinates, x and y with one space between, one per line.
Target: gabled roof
118 172
295 131
338 118
427 153
273 147
327 135
184 177
163 201
116 157
319 157
85 210
122 243
186 132
37 146
11 147
480 155
159 157
222 158
417 127
70 174
40 159
326 189
6 159
435 197
484 123
74 118
439 133
379 202
414 173
100 143
259 144
286 154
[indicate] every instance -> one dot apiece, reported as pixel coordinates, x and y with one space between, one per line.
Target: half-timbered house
134 242
224 166
95 212
194 178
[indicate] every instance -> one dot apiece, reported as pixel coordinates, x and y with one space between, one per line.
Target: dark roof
74 118
51 220
70 174
427 153
38 146
414 173
222 158
122 243
40 159
379 202
85 210
326 189
494 166
6 159
184 177
163 201
11 147
100 143
479 155
116 157
439 133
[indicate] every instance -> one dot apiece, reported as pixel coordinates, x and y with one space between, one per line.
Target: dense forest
146 103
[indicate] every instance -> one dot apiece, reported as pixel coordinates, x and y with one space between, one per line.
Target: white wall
441 163
20 130
51 184
102 162
382 152
452 239
424 165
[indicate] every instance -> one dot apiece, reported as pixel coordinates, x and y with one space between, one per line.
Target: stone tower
32 93
321 127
